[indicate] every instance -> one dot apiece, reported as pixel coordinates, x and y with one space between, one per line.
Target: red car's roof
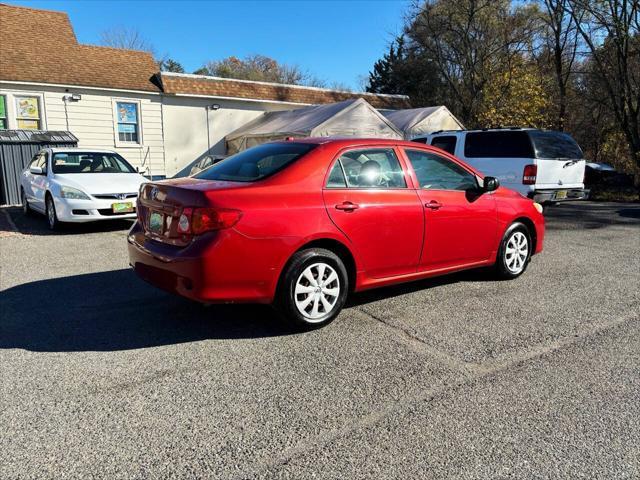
349 141
342 142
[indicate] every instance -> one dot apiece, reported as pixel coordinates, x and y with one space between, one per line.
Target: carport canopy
418 122
351 118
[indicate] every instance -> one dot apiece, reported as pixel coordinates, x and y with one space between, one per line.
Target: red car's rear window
256 163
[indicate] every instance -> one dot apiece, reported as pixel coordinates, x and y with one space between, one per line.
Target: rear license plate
124 207
156 221
561 194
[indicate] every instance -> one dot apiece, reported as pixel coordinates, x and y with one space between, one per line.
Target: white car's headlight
73 193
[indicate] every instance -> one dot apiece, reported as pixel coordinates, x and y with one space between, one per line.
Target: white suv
544 165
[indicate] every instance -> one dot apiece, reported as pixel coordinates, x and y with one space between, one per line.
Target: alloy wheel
25 205
516 252
51 213
316 291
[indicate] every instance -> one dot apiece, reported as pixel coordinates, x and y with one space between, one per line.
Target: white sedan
78 185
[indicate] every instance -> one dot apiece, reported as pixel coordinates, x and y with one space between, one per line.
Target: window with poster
27 113
128 115
3 113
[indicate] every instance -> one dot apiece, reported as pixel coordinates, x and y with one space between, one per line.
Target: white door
554 173
39 183
559 160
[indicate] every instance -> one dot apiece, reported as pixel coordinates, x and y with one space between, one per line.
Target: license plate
561 194
156 221
123 207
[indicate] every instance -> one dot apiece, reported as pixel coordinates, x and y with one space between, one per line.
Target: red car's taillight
199 220
529 175
139 210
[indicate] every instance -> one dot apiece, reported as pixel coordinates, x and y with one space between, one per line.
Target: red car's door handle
347 206
433 205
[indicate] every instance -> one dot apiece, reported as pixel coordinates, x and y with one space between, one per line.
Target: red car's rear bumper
218 267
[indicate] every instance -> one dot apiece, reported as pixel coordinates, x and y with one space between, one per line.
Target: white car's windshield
90 162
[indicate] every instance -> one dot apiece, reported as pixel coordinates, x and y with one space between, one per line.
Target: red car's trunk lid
160 205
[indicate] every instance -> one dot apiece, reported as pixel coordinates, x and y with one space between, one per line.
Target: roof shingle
226 87
50 53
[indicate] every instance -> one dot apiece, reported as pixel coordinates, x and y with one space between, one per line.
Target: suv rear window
256 163
555 145
506 144
445 142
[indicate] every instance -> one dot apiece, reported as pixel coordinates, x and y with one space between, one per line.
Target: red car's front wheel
515 251
313 288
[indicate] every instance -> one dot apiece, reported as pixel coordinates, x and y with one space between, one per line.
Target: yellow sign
28 124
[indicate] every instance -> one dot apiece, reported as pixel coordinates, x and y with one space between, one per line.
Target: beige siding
92 121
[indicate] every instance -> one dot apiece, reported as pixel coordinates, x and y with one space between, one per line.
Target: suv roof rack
443 131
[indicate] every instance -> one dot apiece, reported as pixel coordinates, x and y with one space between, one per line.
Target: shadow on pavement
36 224
115 310
591 215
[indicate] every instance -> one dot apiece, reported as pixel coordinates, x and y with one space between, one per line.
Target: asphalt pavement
103 376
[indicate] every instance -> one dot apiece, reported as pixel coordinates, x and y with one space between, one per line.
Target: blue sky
337 41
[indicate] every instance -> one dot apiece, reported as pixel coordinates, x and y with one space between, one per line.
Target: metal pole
206 110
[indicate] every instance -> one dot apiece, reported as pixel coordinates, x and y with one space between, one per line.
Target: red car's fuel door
367 197
460 220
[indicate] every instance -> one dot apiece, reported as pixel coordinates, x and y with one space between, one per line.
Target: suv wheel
515 252
313 288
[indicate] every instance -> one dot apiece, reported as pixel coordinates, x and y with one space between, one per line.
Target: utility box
17 148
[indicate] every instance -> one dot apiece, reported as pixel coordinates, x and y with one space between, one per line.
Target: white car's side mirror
35 170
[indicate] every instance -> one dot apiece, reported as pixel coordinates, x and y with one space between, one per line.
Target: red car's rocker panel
237 232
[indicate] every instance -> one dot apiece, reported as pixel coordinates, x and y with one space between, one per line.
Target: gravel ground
104 376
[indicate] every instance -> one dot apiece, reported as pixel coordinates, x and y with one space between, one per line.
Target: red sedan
300 224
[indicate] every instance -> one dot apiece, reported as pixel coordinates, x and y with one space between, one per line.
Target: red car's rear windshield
256 163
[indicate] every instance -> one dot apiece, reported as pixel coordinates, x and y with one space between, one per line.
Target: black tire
26 209
505 262
50 211
288 303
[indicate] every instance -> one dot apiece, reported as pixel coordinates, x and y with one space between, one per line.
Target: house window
128 125
3 112
28 113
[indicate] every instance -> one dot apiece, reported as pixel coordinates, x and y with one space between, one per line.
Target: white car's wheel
52 217
26 209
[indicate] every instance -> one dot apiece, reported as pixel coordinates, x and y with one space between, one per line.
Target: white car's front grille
116 196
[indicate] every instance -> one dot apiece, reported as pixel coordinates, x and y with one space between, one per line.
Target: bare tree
471 41
611 32
127 38
261 68
561 42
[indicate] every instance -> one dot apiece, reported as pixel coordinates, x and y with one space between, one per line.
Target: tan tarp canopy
351 118
418 122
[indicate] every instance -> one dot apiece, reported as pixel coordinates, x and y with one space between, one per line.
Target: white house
105 96
117 99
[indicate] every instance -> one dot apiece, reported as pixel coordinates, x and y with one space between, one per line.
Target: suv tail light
529 175
199 220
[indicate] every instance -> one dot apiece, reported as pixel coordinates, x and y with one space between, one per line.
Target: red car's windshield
256 163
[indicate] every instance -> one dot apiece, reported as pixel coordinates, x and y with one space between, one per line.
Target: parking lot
457 377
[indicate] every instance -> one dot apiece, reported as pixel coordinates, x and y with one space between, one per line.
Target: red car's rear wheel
313 288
